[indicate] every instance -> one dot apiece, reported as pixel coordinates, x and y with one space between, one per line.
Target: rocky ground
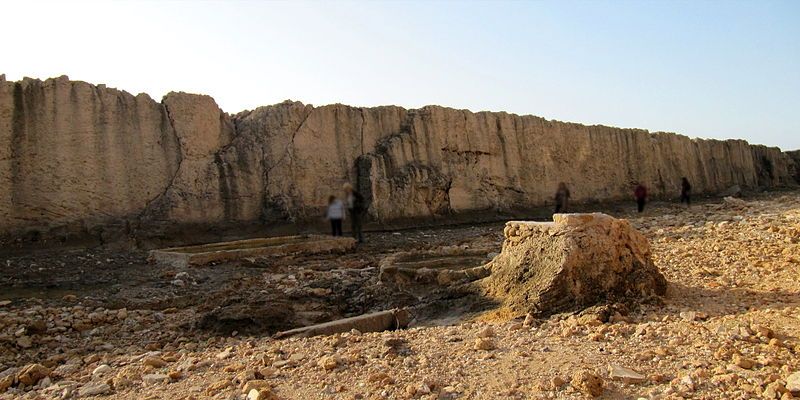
101 323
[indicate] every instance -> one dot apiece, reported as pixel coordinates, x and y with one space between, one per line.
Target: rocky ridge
81 159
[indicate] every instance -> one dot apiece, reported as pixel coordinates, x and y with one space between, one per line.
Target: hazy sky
723 69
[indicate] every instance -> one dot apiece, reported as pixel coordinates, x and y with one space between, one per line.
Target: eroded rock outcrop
80 154
76 156
576 261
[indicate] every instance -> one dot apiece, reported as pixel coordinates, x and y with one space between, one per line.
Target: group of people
639 193
354 206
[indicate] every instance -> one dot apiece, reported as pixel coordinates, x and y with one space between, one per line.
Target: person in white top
336 213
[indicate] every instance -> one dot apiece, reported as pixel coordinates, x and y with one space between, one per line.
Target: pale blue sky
722 69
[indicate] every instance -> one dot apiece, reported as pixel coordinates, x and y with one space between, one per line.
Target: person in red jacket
640 193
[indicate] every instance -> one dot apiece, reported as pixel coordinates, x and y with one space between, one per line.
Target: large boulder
576 261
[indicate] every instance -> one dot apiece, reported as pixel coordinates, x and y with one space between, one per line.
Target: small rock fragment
484 344
94 389
587 383
529 320
101 370
626 375
743 362
31 374
155 379
328 363
154 362
257 384
486 332
793 383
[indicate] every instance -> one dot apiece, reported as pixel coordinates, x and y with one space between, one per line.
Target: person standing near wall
686 191
356 207
640 193
335 215
562 197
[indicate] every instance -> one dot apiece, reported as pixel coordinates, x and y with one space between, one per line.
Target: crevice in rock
266 200
179 150
290 144
363 121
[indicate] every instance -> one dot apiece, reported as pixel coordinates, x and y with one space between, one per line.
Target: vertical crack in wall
18 127
289 145
288 149
151 207
363 121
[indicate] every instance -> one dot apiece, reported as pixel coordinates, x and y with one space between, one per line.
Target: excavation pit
241 249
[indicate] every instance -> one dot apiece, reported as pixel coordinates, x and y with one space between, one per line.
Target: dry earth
728 326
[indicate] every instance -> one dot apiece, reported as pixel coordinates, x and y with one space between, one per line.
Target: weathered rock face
198 191
794 164
78 155
454 161
74 153
576 261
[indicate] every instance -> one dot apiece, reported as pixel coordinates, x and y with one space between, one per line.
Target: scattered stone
774 390
486 332
255 384
218 386
154 362
6 382
529 320
101 370
259 394
743 362
175 375
24 342
225 353
94 389
31 374
328 363
484 344
793 383
587 383
155 379
626 375
557 382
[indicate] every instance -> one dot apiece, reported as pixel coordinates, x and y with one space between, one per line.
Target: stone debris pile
728 328
573 262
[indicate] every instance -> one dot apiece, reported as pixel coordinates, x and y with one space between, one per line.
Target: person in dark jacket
356 207
640 193
562 197
686 191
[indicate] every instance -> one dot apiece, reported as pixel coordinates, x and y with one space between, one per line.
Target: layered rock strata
82 157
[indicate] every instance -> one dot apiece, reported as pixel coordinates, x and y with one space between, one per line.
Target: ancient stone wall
74 154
